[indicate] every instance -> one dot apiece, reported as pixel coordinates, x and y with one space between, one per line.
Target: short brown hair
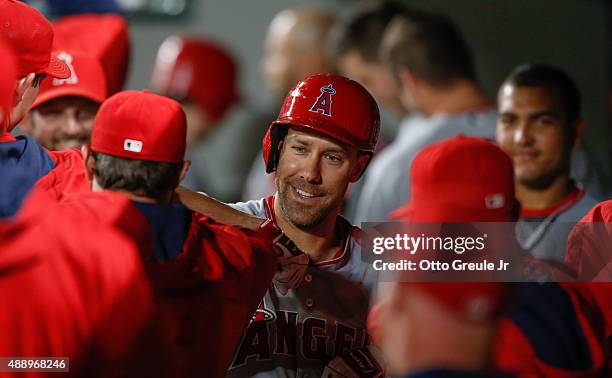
141 177
430 46
362 29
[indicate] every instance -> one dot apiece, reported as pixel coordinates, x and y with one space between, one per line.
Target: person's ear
362 163
580 129
21 102
88 161
184 169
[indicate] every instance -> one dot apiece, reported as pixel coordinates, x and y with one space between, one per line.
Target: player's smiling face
312 176
532 129
63 123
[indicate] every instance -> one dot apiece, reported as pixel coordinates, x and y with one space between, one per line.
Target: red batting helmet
198 70
331 105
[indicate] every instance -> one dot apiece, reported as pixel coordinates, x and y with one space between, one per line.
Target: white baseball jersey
296 335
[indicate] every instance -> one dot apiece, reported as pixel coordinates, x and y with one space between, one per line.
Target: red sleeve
211 291
588 243
67 177
515 354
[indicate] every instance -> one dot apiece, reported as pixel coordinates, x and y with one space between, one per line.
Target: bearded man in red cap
23 161
63 114
53 314
96 49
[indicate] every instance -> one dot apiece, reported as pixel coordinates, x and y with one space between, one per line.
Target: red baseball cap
197 70
102 36
140 125
86 80
461 179
8 75
30 36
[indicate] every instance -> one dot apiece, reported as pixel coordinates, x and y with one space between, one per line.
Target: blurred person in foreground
23 161
80 315
551 330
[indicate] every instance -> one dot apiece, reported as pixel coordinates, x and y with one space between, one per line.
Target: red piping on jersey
6 137
568 201
341 256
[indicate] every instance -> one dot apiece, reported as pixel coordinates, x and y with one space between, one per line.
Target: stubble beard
314 216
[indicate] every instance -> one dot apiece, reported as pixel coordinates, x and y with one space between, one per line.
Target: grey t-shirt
386 184
546 237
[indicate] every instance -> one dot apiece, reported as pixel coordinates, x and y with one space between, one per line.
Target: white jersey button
308 278
309 302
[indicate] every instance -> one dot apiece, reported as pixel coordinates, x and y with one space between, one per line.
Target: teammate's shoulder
71 155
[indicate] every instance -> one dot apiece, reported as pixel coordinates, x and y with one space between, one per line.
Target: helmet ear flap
277 133
363 159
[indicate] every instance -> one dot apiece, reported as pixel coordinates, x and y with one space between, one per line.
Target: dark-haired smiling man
539 125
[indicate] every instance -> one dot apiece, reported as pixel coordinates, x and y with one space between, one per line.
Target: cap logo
132 145
324 101
73 79
495 201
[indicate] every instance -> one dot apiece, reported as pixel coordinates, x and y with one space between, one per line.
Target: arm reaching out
216 210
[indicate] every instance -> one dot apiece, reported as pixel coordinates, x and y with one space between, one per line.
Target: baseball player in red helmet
322 140
67 294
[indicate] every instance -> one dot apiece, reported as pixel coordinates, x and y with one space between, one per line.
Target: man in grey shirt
433 66
539 125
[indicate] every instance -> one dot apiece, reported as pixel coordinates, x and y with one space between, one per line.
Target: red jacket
71 286
207 294
67 177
